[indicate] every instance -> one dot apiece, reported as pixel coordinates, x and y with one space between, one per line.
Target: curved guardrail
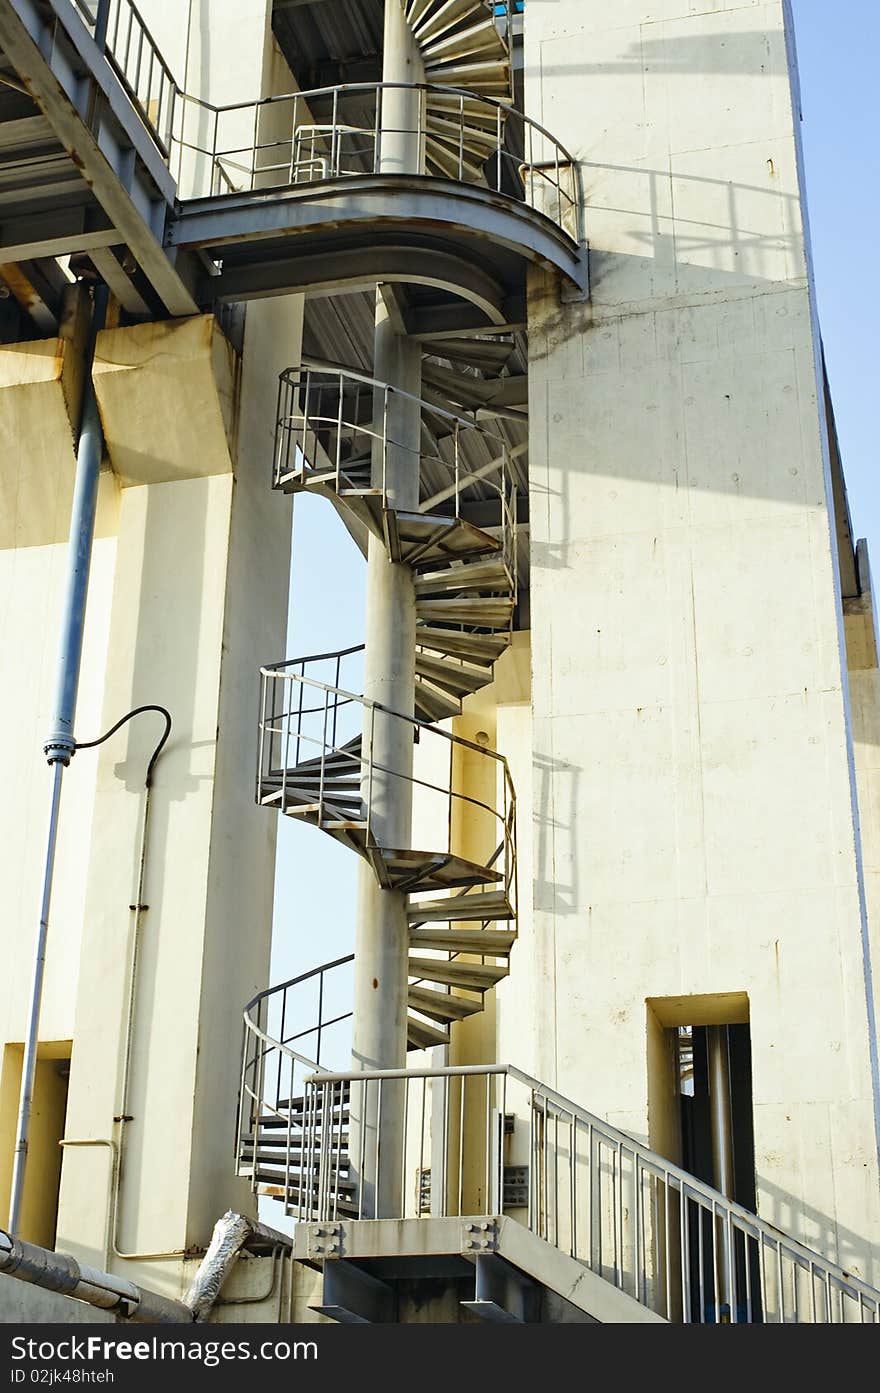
332 133
279 1053
331 420
304 720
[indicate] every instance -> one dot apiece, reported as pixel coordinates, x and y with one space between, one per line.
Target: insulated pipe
59 1272
382 932
60 745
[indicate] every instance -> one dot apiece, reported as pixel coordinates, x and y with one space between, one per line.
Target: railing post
102 20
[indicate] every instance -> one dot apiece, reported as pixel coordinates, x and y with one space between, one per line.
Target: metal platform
89 140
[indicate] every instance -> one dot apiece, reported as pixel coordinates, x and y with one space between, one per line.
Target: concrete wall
36 489
189 594
693 813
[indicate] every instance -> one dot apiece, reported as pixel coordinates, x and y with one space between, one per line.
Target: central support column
722 1155
382 937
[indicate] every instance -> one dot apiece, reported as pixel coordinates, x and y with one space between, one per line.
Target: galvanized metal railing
332 424
649 1228
121 32
306 719
331 133
278 1054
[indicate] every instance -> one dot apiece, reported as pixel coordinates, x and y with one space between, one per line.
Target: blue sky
838 49
838 52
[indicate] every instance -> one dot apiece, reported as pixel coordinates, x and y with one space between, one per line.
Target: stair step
475 40
421 1036
475 138
296 1187
478 648
427 539
473 109
475 575
309 801
430 16
490 355
489 77
425 870
452 164
440 1006
346 1208
495 943
483 613
343 755
451 675
277 1160
432 705
476 977
482 905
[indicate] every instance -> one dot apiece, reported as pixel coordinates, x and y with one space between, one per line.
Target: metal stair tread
485 942
493 612
484 649
442 1006
469 976
420 1035
426 869
477 575
480 904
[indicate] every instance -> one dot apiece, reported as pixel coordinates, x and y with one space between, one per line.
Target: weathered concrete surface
694 821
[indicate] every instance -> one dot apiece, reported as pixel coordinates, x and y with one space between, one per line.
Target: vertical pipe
60 745
382 934
721 1123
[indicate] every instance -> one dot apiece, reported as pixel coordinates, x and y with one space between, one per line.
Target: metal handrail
336 697
317 420
343 151
660 1253
271 1070
123 35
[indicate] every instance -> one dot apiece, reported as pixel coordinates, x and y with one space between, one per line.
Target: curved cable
138 711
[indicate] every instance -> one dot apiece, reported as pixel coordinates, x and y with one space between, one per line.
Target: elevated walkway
181 205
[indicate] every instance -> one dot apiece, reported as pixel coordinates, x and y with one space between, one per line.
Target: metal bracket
352 1296
479 1236
502 1293
325 1241
516 1187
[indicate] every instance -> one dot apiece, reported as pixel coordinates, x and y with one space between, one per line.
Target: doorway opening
701 1116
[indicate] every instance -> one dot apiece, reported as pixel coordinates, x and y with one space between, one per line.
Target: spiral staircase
316 758
465 583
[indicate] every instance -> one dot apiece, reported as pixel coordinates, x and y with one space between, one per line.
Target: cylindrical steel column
721 1122
381 940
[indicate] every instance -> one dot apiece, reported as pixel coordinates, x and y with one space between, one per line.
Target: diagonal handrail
723 1216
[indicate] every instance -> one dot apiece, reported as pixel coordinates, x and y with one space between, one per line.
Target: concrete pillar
199 597
381 938
691 731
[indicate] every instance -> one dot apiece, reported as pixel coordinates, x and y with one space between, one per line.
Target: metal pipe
721 1124
62 1273
60 745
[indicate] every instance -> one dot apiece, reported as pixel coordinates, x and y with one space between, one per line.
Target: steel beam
352 1296
97 125
343 272
502 1294
423 209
